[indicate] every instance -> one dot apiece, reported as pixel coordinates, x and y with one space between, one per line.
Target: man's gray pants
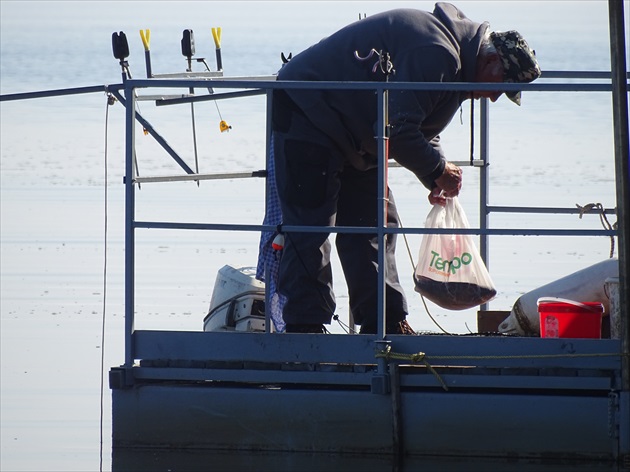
317 187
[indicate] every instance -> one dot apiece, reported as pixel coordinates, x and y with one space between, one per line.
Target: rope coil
602 218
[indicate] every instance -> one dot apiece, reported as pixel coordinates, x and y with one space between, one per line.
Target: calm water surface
554 150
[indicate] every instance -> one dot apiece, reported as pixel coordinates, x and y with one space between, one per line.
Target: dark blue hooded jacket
441 46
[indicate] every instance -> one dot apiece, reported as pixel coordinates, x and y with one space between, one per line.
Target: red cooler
560 318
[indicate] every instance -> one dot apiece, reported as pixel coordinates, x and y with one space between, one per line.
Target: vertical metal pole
147 61
398 446
268 142
380 381
484 151
620 123
129 224
382 216
194 132
622 176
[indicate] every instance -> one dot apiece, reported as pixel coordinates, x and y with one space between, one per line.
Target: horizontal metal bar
515 209
426 379
149 98
577 74
488 231
241 175
188 75
331 85
184 80
210 75
202 226
212 97
265 376
52 93
455 351
475 163
264 78
195 177
370 230
519 382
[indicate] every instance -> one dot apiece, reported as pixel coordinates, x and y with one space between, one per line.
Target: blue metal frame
492 364
487 364
553 368
381 90
129 225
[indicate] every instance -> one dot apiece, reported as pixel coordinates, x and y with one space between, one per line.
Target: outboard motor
237 303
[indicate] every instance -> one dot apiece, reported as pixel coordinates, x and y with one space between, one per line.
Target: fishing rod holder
120 48
188 47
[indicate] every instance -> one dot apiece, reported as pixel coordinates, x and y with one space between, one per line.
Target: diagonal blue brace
155 134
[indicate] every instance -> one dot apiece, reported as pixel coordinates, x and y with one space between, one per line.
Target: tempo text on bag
439 264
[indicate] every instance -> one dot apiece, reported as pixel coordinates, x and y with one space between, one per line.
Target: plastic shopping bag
450 271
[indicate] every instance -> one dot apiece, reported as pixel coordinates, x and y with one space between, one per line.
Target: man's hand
448 185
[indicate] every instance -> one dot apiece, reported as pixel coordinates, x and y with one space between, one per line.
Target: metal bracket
120 378
381 381
380 384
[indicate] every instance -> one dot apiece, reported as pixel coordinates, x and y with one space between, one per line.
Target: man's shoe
305 328
404 328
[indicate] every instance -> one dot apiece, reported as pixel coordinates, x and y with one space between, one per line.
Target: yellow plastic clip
223 126
216 34
146 38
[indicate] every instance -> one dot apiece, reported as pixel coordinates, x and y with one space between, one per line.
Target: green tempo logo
450 266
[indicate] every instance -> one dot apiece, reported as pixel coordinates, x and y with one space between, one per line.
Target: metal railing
253 87
126 93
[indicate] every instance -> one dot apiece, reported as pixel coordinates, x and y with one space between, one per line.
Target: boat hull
354 421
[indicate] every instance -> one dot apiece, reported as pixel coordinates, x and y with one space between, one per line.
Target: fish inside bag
450 271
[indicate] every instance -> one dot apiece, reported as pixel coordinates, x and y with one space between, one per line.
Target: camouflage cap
519 60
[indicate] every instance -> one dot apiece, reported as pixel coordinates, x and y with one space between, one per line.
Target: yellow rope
417 357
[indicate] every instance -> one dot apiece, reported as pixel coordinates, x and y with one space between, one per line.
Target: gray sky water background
555 150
